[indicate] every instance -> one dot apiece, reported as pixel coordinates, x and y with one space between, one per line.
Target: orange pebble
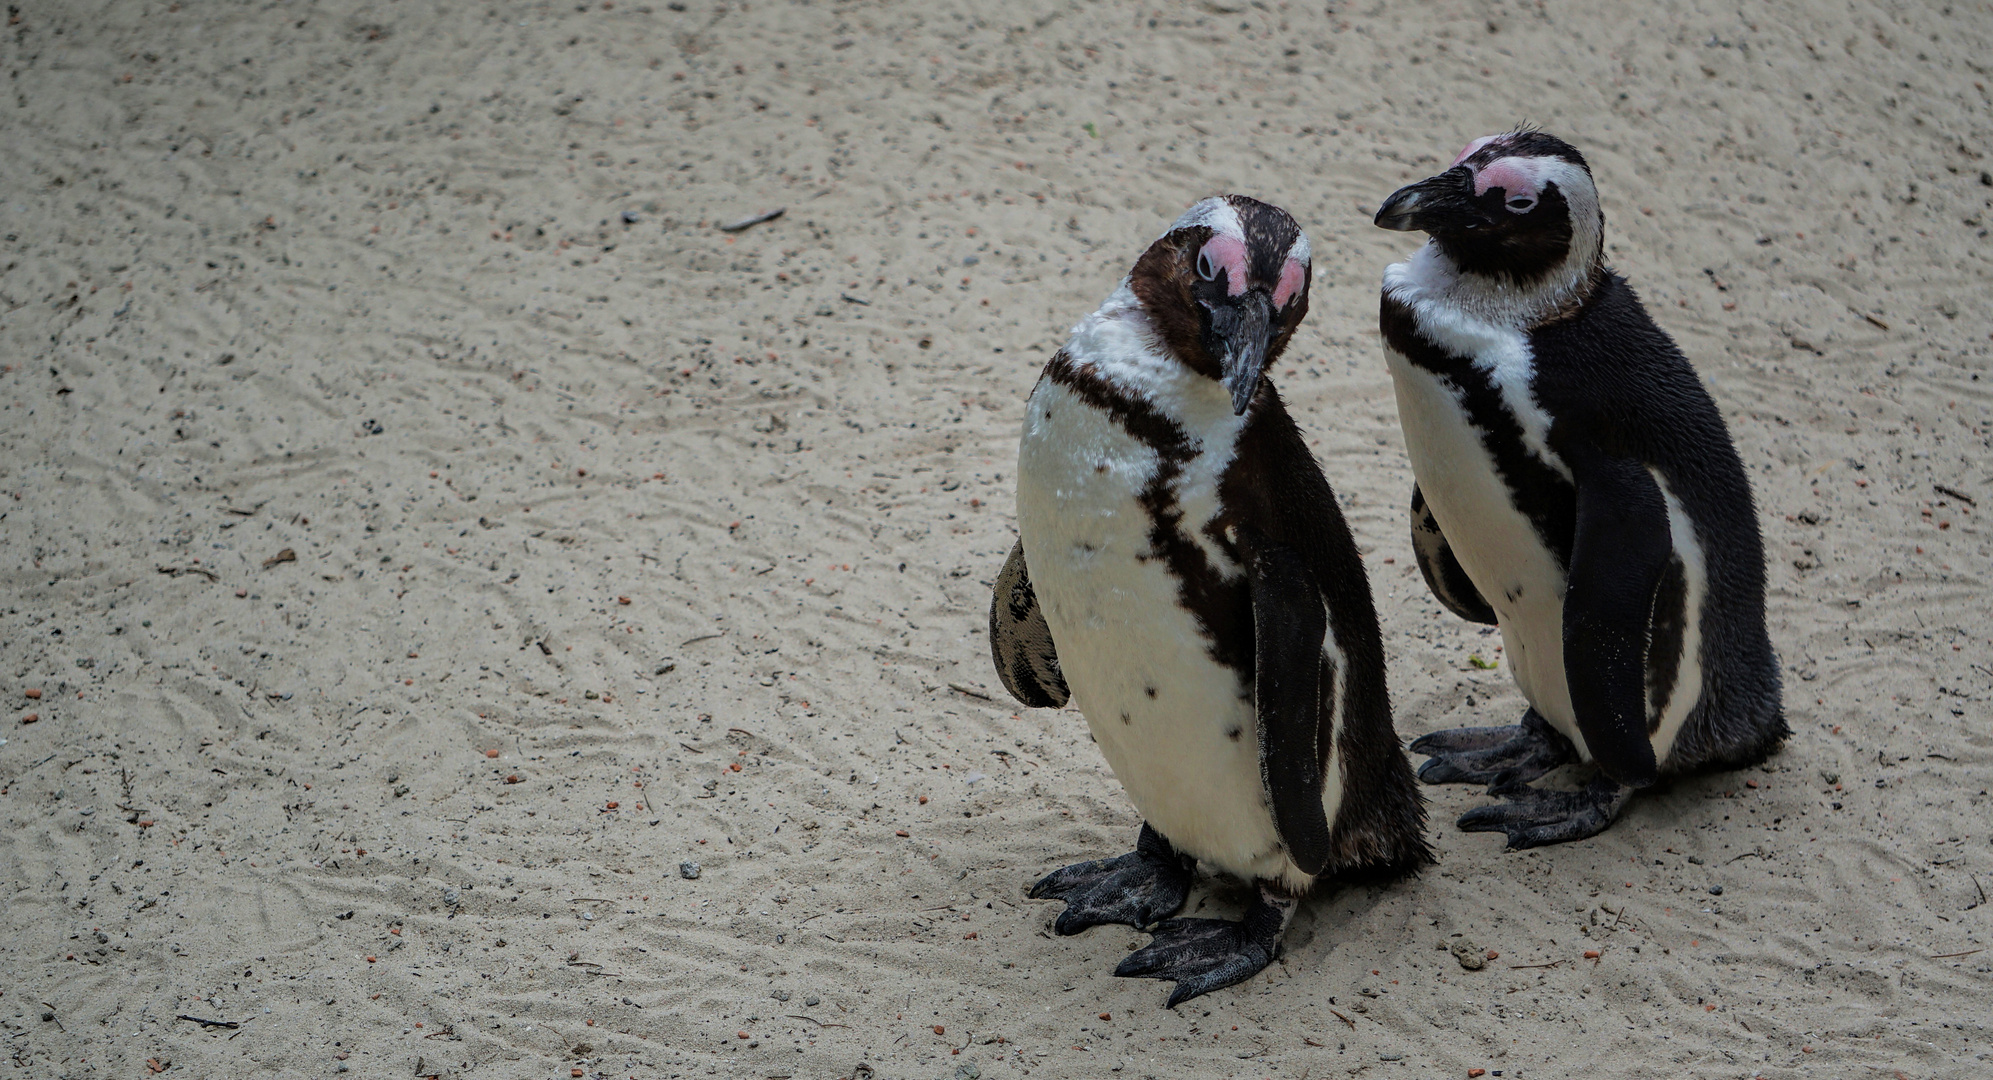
622 599
735 766
923 800
513 779
370 959
491 753
34 693
1476 1072
900 832
1591 954
1107 1016
939 1030
31 718
1493 955
613 804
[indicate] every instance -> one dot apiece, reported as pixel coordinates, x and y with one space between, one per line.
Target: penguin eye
1522 204
1206 268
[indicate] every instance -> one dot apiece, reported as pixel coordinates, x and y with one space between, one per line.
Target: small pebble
1696 859
629 217
1716 890
1470 955
780 995
689 871
811 1001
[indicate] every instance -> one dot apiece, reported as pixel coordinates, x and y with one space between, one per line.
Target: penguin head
1520 206
1225 287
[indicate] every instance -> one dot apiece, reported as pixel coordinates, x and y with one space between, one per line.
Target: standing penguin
1575 486
1183 567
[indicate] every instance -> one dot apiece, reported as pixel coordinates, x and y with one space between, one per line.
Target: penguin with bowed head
1183 569
1575 486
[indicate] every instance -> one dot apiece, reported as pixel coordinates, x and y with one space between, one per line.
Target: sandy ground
425 532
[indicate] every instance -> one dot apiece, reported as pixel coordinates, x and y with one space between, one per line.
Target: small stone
967 1071
1390 1057
811 1001
1716 890
1471 956
689 871
630 217
1696 859
780 995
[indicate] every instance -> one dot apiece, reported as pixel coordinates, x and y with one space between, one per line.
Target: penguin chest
1457 456
1096 507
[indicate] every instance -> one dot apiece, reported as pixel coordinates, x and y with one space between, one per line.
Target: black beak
1443 203
1242 329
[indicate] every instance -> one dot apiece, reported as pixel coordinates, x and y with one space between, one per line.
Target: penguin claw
1498 756
1534 817
1199 955
1138 889
1460 739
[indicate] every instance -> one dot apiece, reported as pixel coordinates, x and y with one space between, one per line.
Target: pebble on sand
689 871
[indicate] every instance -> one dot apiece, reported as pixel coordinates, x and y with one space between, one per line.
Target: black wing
1621 549
1443 573
1020 642
1289 623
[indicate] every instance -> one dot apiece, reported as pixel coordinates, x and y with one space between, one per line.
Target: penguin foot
1533 817
1139 888
1202 955
1498 756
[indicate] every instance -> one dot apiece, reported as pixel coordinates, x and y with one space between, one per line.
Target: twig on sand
1345 1019
1954 493
176 571
1551 964
1950 955
231 1024
752 220
964 688
813 1020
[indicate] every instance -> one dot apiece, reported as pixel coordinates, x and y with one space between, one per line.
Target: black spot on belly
1234 733
1664 640
1152 691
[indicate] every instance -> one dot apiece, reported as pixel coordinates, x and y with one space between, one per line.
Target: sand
427 533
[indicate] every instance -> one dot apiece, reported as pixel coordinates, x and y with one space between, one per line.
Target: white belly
1177 727
1496 544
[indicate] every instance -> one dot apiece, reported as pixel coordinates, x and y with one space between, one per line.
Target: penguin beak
1443 203
1243 329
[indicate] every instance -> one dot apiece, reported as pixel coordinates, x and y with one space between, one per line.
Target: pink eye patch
1227 253
1293 276
1511 175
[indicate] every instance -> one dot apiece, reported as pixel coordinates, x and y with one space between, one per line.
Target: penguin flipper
1621 547
1443 572
1289 624
1020 642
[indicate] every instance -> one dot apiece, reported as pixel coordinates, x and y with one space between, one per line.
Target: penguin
1576 487
1182 569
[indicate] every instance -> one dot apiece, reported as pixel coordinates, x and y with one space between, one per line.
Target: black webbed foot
1202 955
1534 817
1139 888
1497 756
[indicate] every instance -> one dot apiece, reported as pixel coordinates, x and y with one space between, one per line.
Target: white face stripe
1215 212
1301 251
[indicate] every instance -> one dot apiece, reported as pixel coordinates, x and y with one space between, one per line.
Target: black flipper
1202 955
1139 888
1533 816
1621 547
1497 756
1020 642
1289 624
1443 573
